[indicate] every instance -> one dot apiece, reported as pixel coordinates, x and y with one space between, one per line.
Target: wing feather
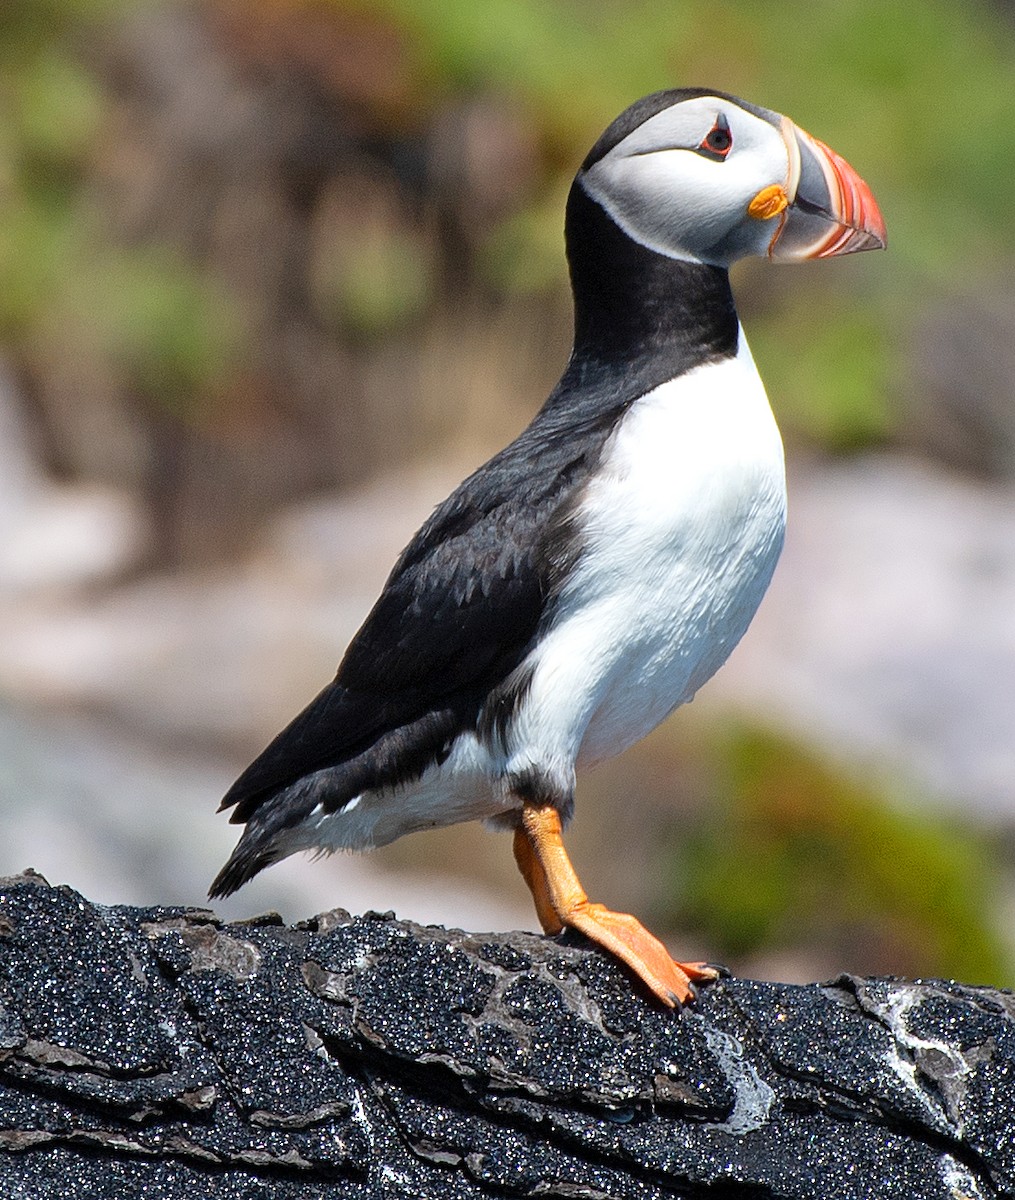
457 615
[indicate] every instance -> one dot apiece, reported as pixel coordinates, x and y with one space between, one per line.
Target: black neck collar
634 306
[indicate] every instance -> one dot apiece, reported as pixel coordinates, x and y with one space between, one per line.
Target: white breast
681 528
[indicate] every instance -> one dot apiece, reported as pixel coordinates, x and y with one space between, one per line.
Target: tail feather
250 856
268 835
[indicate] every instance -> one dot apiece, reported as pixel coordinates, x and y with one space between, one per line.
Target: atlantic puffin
591 576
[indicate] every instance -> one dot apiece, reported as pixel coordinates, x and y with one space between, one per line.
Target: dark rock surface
158 1052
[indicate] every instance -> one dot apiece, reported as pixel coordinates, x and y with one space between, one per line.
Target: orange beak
831 209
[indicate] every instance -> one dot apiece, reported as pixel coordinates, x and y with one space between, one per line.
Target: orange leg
560 900
535 877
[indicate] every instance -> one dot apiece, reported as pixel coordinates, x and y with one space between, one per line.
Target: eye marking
718 142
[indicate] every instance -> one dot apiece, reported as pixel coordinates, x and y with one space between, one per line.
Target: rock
229 653
56 538
161 1052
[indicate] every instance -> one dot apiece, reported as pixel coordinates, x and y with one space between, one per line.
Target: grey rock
56 538
162 1052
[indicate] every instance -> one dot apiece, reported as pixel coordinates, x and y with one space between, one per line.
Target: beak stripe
788 130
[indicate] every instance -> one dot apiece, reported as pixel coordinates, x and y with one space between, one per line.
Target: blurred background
275 274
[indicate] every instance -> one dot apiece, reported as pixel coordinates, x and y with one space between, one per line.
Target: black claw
720 970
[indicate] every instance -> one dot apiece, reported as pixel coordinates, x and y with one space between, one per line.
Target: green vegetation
843 409
368 286
799 854
49 113
166 331
920 96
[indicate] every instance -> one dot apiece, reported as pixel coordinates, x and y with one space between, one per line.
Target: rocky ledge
160 1052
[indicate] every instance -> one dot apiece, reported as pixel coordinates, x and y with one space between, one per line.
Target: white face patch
679 202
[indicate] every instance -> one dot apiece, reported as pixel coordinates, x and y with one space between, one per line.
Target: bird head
706 177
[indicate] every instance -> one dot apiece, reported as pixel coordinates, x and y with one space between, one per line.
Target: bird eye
718 142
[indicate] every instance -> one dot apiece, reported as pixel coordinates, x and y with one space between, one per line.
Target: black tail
249 857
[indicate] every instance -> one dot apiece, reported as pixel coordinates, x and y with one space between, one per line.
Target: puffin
596 572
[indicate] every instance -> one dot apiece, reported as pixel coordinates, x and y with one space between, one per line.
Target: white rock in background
69 536
228 654
57 536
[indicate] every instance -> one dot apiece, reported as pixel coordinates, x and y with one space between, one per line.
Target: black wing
456 616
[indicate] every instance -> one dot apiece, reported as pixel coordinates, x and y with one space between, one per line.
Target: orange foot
560 900
625 936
